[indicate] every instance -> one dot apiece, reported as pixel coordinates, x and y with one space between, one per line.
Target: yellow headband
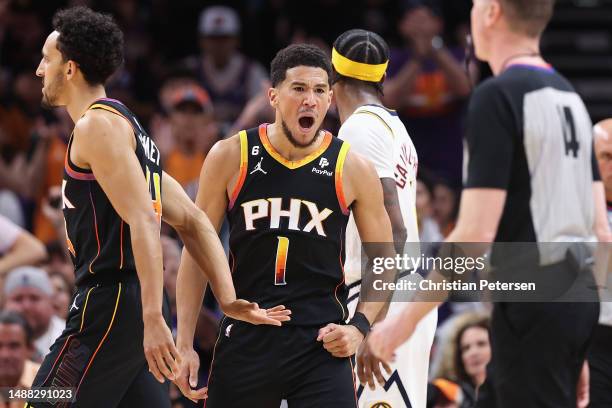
358 70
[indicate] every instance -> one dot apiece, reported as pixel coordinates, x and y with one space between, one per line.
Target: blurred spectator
194 132
464 355
428 227
59 262
62 293
47 227
427 85
445 206
231 78
16 369
17 247
29 292
600 350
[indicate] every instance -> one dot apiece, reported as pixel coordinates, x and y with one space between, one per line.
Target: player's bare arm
105 143
479 214
363 190
392 206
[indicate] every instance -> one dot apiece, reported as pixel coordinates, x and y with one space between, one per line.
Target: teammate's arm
106 143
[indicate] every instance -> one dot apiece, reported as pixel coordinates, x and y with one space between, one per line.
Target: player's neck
350 100
82 98
285 148
510 49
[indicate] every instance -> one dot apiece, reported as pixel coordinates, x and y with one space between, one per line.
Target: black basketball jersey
287 225
98 239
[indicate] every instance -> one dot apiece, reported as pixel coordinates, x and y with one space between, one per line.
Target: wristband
361 322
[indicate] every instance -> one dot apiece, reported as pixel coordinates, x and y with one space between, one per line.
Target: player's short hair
92 40
528 16
297 55
365 47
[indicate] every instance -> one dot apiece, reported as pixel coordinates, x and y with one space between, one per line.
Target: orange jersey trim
75 174
263 136
93 207
101 341
210 370
244 166
339 171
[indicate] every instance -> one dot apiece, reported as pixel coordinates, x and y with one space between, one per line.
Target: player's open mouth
306 123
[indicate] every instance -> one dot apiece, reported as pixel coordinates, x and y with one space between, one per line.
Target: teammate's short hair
363 47
297 55
528 16
92 40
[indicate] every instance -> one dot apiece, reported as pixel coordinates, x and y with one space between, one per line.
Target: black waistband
109 278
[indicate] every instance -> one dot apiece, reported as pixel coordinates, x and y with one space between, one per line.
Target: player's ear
273 97
70 69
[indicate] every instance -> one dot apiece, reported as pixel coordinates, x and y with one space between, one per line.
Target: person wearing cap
360 60
230 77
427 85
194 132
29 291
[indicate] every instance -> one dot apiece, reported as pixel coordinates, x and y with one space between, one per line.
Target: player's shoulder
98 126
225 150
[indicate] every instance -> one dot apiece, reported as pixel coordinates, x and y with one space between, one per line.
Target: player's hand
368 367
250 312
340 340
582 389
161 354
388 335
187 377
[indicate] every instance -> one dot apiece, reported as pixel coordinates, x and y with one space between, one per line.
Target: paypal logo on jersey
272 209
323 162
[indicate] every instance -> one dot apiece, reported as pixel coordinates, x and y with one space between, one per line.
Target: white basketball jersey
378 134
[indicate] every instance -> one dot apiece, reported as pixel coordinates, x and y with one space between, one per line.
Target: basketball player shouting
288 189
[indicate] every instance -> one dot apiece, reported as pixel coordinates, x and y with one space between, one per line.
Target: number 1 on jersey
281 261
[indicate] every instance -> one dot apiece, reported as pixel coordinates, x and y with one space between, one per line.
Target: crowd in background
195 73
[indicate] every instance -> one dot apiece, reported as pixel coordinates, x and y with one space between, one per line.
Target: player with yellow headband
360 60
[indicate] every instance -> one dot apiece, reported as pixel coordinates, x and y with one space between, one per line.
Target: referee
531 177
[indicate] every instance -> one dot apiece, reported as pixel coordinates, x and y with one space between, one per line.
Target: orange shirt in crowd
53 173
184 169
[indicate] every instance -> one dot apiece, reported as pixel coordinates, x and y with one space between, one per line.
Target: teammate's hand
160 352
250 312
388 335
368 367
340 340
187 377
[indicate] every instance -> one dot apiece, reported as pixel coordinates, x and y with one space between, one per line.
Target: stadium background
166 83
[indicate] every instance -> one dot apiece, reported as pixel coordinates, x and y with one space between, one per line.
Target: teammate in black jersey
112 202
288 189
